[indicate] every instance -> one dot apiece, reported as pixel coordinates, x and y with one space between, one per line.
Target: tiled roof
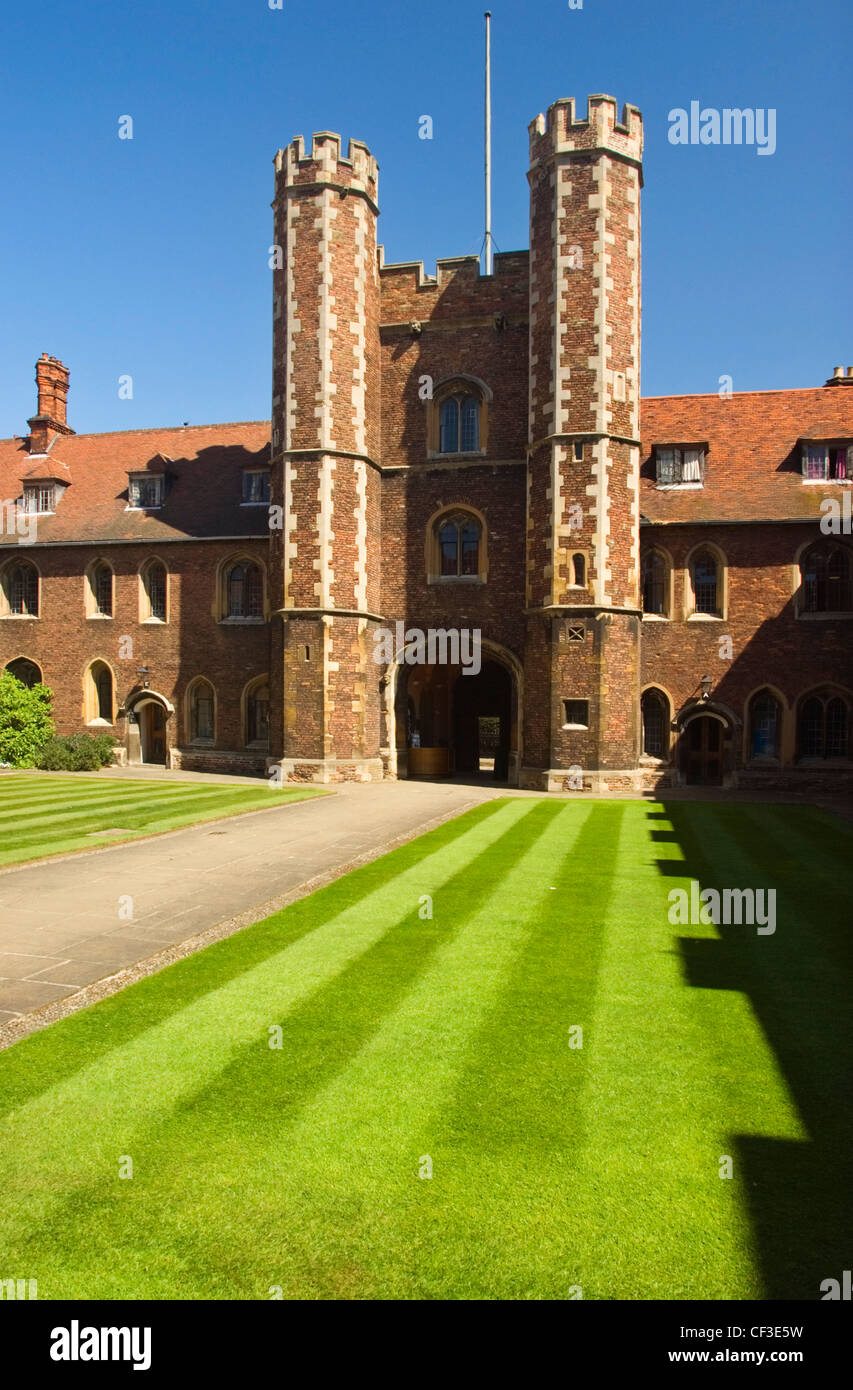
752 470
204 464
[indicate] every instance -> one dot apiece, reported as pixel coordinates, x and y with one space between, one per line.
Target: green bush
76 753
25 722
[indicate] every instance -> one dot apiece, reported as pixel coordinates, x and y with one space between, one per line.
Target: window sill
456 579
843 614
155 622
242 622
827 482
100 617
158 507
99 724
470 454
655 618
202 743
679 487
584 727
20 617
705 618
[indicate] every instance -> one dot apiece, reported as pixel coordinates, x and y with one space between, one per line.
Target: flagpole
488 144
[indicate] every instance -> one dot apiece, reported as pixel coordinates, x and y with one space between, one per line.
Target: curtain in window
666 466
816 461
691 471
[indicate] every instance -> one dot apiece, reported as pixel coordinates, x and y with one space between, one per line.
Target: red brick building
655 591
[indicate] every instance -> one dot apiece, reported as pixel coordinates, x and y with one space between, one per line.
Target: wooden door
704 752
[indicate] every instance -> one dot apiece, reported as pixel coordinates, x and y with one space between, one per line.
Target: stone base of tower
638 780
326 770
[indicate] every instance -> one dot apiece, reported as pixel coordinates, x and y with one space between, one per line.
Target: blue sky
149 257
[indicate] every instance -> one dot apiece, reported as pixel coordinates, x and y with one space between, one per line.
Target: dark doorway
25 671
704 752
482 710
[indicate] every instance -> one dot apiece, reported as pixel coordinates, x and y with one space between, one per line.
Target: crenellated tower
582 565
325 474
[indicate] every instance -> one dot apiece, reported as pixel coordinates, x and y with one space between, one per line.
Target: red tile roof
752 470
204 467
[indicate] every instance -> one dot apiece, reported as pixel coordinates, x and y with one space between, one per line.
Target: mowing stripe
652 1173
130 805
320 1039
124 1092
35 1063
521 1055
372 1124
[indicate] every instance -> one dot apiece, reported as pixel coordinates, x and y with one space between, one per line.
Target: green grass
408 1037
49 814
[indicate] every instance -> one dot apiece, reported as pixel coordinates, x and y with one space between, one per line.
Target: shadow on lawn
799 1192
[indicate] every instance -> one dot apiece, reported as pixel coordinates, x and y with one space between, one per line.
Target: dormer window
679 465
829 462
39 498
145 491
256 486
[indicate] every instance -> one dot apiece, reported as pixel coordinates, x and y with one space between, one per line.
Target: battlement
559 131
506 263
358 170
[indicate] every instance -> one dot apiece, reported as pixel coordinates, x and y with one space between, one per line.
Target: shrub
76 753
25 722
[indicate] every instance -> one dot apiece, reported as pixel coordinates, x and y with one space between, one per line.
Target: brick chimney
840 378
52 379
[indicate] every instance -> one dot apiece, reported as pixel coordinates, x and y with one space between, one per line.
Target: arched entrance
444 721
146 729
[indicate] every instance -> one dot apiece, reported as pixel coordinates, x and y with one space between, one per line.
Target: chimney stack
52 378
840 378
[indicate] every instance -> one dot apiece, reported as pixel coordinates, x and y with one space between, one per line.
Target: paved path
60 922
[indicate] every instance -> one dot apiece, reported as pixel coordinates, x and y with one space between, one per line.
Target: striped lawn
413 1045
47 815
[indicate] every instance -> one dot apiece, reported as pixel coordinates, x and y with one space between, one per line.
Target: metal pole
488 144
